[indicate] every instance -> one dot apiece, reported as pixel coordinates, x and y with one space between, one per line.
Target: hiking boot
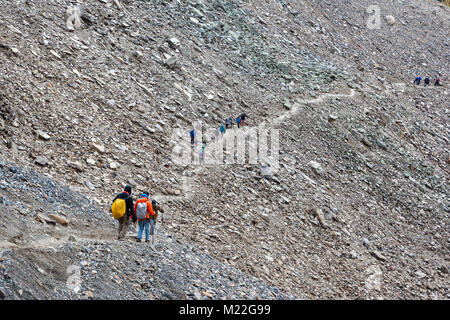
147 240
138 240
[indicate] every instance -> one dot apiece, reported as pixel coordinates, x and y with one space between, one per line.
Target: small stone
420 274
353 254
90 161
41 160
53 52
72 239
287 104
443 269
151 130
332 118
171 62
43 135
76 165
377 66
99 148
58 219
113 166
390 20
431 285
89 294
266 172
90 185
316 167
141 108
366 242
139 55
173 43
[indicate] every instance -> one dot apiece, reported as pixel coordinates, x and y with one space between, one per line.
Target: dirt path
295 108
59 239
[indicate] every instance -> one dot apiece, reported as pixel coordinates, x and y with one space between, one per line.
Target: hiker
227 123
216 134
192 133
417 80
231 121
437 82
426 82
222 129
123 210
153 219
243 116
144 211
238 121
202 153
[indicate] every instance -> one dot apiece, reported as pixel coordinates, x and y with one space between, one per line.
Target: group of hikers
144 211
229 122
426 81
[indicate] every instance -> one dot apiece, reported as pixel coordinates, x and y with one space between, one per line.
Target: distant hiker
202 153
426 82
122 210
192 133
243 116
216 133
238 121
227 123
222 129
437 82
156 209
231 121
144 211
417 80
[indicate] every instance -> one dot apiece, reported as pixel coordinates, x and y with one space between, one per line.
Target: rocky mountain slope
83 259
359 208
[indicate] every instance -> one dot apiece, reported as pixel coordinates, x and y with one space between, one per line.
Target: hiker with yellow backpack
144 212
122 210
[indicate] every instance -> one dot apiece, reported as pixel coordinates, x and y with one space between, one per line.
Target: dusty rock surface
359 207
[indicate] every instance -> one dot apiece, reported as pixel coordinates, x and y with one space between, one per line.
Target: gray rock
43 135
174 43
366 242
317 167
41 160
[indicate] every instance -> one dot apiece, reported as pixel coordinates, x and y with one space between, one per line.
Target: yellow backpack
119 207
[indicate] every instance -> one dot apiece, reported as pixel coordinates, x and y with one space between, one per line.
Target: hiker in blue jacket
192 133
417 80
238 121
